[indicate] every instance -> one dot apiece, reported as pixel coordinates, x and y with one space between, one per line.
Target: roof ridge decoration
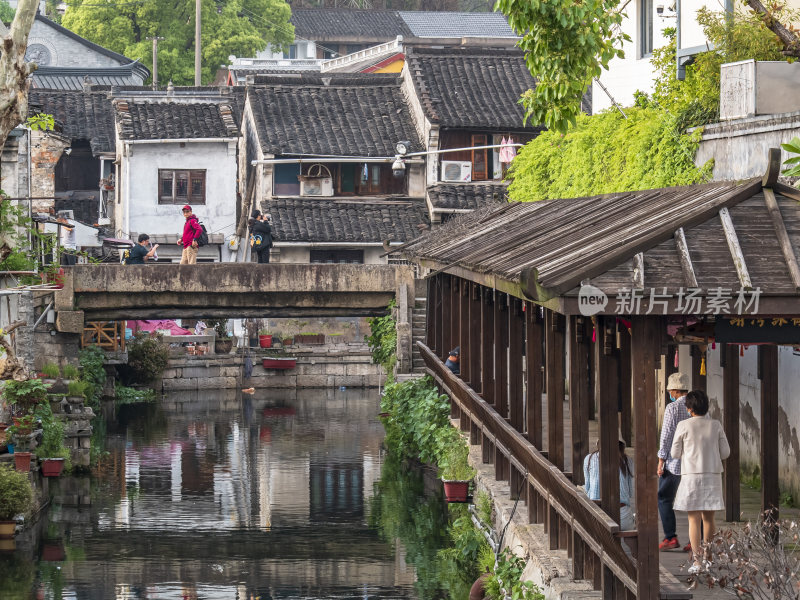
125 119
226 112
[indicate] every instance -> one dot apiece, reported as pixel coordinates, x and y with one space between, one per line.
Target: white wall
147 216
305 49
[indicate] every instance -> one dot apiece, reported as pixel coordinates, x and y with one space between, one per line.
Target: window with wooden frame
181 187
480 158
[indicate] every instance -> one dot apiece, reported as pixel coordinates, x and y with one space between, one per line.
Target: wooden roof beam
638 271
736 250
783 237
689 278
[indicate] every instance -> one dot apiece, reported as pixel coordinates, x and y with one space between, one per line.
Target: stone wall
338 365
46 150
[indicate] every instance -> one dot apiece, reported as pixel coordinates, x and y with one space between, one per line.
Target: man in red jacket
191 231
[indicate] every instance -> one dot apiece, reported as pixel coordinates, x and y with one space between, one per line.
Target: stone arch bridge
111 292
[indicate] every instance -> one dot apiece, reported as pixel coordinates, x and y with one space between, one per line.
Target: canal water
216 495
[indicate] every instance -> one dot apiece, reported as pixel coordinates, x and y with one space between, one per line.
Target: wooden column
430 307
672 350
579 395
607 403
465 336
646 352
625 416
437 323
554 349
768 373
455 311
501 353
475 339
487 344
516 330
729 361
447 311
533 369
698 380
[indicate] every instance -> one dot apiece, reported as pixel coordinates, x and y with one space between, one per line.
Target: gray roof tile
320 24
83 115
351 115
465 196
172 120
356 221
471 87
425 24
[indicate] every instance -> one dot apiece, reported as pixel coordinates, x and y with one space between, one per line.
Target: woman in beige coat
701 445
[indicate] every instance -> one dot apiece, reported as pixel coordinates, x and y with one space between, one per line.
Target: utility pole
155 39
197 29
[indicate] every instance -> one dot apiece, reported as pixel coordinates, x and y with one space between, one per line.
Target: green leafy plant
77 388
453 456
129 395
382 340
148 356
792 163
25 394
220 328
264 332
52 445
506 581
93 372
21 429
16 494
51 371
566 45
70 372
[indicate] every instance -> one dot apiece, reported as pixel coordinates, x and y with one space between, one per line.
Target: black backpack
202 239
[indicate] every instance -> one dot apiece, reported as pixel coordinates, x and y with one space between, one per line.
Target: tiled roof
465 196
84 115
344 115
321 24
172 120
476 88
356 221
426 24
74 78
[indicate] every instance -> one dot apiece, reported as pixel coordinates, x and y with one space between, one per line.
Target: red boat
279 363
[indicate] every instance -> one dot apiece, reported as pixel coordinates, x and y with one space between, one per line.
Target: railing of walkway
571 521
109 335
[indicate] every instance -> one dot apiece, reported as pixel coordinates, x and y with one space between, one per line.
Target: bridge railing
571 521
109 335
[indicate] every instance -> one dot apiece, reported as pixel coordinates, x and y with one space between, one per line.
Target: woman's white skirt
699 491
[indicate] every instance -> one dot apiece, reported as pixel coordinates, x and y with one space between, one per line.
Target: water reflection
210 495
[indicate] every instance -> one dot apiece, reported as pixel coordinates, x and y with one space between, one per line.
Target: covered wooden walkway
599 292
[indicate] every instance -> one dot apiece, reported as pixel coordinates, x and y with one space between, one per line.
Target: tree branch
789 39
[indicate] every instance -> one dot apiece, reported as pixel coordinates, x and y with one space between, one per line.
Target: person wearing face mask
669 468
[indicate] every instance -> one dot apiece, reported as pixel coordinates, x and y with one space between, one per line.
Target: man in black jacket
260 236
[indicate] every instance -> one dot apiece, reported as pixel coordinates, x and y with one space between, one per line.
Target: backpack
202 239
126 254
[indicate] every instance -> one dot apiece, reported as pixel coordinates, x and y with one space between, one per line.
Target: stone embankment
333 365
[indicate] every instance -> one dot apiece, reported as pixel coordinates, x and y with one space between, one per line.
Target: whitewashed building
170 154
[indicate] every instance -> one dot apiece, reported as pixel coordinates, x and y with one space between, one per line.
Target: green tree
238 27
6 12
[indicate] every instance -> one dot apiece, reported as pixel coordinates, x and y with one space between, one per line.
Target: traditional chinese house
602 292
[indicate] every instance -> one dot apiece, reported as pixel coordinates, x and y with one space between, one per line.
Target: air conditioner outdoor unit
317 187
456 170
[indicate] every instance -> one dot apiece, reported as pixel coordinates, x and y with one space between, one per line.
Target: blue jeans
667 488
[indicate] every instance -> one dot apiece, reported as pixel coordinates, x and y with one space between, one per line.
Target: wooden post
455 313
672 350
438 321
554 336
770 494
487 345
579 395
625 417
501 353
447 311
729 357
533 369
464 337
645 350
516 328
475 339
430 304
607 403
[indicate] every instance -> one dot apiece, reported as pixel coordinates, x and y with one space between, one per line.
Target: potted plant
54 455
278 360
287 341
70 372
76 391
50 372
453 459
21 431
16 497
24 395
224 341
264 338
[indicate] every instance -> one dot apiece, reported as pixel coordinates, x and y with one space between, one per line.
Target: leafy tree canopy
238 27
6 12
566 45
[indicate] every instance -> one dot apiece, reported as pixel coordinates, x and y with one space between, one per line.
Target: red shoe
688 547
669 544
